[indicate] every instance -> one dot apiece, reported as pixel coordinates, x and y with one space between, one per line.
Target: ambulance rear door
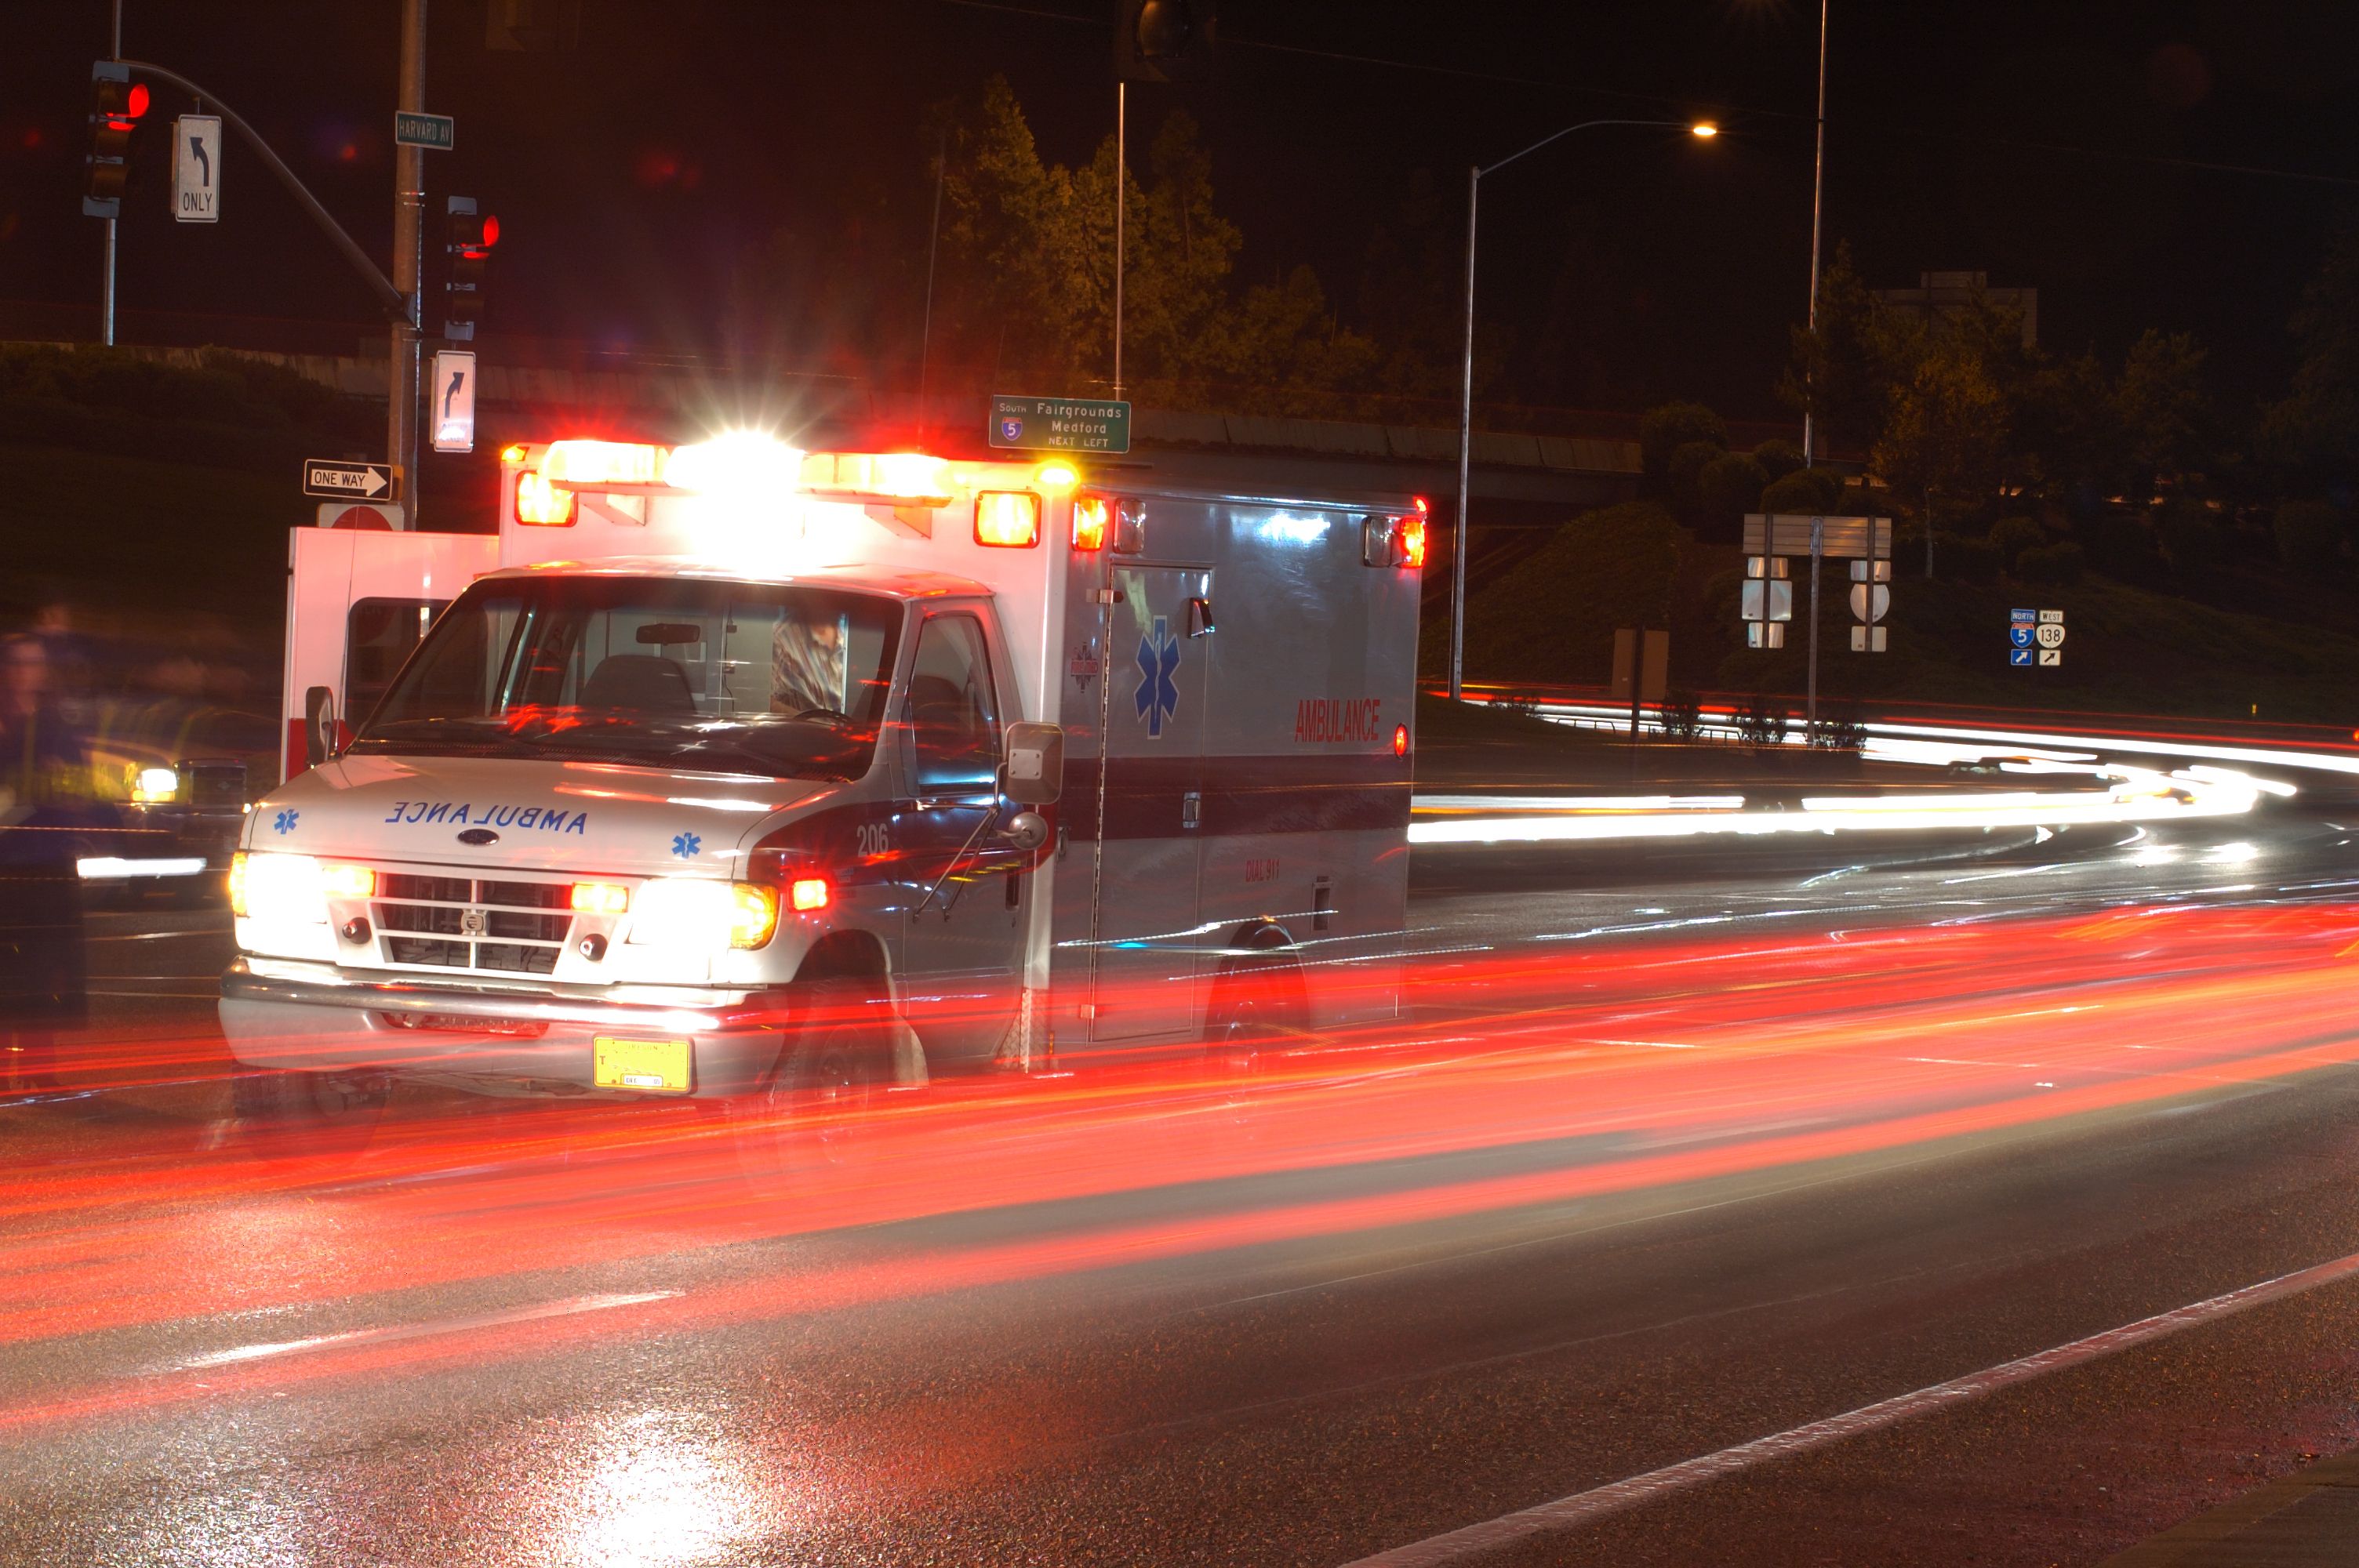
357 603
1146 969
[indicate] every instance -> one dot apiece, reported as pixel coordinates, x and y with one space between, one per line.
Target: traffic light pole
106 294
409 270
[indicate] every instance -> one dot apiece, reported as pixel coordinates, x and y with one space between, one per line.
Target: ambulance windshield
676 673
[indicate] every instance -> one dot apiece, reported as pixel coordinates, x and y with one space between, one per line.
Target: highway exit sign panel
439 132
1059 424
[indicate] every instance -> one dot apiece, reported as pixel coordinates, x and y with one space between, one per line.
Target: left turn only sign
196 168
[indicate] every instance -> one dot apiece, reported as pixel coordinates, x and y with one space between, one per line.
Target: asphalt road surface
1781 1202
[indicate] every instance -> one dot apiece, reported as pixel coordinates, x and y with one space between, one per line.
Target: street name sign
196 168
439 132
1059 425
346 481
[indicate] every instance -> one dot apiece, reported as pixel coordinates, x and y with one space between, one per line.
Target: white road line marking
1456 1545
239 1354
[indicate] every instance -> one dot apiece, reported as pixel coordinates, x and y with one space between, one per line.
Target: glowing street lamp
1702 130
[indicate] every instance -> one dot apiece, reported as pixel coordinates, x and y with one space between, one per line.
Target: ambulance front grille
500 927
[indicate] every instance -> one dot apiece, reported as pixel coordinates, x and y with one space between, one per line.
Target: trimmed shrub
2309 536
2011 536
1779 457
1664 430
1798 492
1726 489
1688 464
1682 715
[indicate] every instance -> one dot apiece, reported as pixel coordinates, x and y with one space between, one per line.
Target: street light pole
1466 460
409 270
1818 191
1701 129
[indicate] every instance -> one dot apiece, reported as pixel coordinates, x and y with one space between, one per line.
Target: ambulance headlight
693 914
154 786
278 889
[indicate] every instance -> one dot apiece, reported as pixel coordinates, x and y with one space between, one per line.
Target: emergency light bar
904 478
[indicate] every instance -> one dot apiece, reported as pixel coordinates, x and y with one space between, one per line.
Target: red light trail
1548 1074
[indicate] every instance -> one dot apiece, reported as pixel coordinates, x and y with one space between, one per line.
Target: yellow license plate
660 1065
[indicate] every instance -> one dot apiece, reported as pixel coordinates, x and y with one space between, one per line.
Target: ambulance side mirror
1032 764
319 725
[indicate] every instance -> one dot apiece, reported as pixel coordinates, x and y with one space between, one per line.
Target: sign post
1865 542
196 168
1057 424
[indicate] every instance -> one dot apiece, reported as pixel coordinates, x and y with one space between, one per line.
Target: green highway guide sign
1059 424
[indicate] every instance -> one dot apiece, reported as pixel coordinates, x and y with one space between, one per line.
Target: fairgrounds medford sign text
1059 425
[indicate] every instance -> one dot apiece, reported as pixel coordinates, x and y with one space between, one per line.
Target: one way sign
342 480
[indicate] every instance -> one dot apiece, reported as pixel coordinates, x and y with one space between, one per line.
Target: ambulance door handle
1192 808
1108 596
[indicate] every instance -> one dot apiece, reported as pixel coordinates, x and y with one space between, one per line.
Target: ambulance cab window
953 716
680 672
378 634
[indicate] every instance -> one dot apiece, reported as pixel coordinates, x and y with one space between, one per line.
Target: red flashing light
1007 518
135 102
1400 740
491 232
1089 521
808 893
1412 539
540 505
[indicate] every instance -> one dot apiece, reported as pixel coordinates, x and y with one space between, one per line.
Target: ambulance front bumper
312 1017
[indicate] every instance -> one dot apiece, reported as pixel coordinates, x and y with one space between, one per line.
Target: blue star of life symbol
285 821
1158 661
686 845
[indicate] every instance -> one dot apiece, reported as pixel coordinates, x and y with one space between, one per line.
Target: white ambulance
727 768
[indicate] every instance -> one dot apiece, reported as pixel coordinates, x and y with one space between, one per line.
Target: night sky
633 175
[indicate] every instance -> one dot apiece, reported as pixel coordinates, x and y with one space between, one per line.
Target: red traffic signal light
468 239
116 103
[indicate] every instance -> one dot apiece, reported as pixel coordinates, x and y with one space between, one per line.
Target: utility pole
1121 189
409 270
933 248
1818 192
1465 458
1818 553
106 291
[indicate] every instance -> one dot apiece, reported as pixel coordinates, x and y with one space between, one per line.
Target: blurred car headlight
278 889
154 786
695 914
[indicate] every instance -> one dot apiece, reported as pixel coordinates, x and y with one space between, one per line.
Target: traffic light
117 103
1162 40
468 239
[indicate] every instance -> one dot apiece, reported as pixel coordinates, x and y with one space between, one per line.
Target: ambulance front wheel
814 1115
